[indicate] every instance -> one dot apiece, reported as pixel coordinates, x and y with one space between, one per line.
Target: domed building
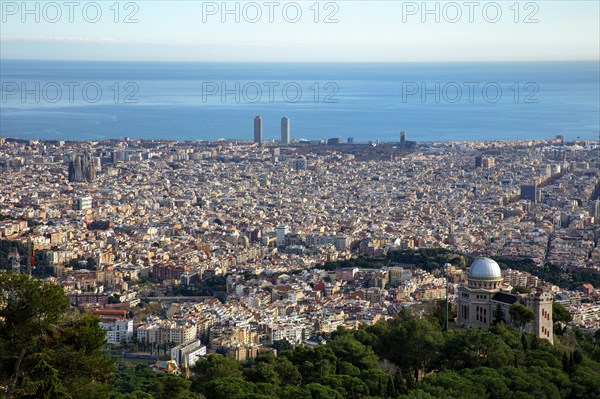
485 273
482 301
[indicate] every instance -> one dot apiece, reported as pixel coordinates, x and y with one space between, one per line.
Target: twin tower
258 131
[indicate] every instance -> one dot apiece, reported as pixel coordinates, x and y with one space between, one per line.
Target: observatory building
482 297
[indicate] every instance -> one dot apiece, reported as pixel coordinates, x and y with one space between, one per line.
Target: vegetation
404 358
521 315
520 289
430 259
46 352
571 279
424 258
6 247
213 286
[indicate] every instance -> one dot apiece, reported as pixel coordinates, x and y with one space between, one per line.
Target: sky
310 31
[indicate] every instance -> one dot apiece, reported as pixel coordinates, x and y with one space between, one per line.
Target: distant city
100 217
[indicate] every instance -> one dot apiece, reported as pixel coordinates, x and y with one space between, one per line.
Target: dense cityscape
100 216
183 249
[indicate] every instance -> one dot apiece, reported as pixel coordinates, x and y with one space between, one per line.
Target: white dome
485 269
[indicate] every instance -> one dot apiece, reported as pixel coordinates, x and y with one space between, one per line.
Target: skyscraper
258 130
282 231
285 130
478 161
530 192
402 139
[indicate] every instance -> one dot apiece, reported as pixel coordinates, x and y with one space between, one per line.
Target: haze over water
185 101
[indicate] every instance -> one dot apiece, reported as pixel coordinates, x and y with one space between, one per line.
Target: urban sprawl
187 248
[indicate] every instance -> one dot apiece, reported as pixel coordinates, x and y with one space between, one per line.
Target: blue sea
83 100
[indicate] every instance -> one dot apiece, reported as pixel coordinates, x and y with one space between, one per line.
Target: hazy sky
364 31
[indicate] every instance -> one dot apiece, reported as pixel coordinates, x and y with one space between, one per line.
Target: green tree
135 395
409 342
262 372
560 314
585 381
520 289
43 348
347 348
132 379
318 391
449 384
498 315
281 345
377 381
213 367
349 387
294 392
77 352
313 363
171 386
520 315
91 263
473 349
229 388
436 312
43 380
493 380
287 371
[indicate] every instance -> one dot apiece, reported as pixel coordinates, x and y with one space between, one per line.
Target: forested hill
389 360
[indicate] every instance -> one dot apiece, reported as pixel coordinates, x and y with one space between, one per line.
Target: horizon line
302 62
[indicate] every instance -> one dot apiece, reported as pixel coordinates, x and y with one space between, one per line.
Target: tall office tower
258 130
285 130
282 231
530 192
402 139
478 161
82 169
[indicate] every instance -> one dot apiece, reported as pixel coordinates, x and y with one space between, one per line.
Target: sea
96 100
